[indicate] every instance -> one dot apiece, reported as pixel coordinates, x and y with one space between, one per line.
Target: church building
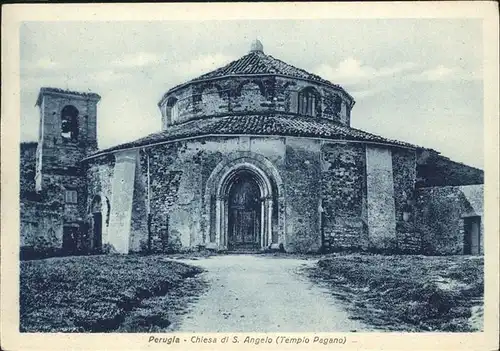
255 156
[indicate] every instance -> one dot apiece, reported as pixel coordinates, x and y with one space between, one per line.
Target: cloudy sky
414 80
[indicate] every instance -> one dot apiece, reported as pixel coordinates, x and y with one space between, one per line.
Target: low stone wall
440 217
41 227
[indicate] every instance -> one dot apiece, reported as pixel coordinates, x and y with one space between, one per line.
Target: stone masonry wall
240 95
42 221
99 174
172 214
179 172
404 172
440 217
178 176
139 216
58 152
380 198
164 185
302 187
41 226
51 108
344 195
27 170
57 171
53 200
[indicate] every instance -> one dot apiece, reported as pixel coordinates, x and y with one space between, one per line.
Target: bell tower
67 133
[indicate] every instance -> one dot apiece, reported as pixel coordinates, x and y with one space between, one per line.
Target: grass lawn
407 293
104 293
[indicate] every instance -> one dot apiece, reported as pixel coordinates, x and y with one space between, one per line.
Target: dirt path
255 293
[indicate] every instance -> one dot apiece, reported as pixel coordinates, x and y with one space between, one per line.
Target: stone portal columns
266 223
221 225
263 216
269 214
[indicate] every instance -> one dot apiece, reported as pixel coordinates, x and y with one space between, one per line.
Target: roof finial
256 46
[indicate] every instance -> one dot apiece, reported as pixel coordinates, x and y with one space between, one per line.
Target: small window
307 102
71 197
172 110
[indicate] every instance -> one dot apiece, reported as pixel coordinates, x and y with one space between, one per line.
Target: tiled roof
258 63
269 124
63 91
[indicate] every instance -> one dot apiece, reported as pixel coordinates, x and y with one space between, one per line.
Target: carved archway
271 214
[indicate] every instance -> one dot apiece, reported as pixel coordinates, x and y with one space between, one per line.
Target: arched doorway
244 212
244 167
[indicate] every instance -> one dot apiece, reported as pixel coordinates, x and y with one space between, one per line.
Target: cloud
444 73
45 63
107 76
204 64
363 93
352 71
139 59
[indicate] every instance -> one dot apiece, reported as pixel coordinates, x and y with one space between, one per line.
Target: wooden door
97 242
244 214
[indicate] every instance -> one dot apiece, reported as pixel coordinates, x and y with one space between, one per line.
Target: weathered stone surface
27 170
440 217
318 183
121 201
240 95
404 170
344 195
380 198
302 176
41 227
139 212
99 176
54 204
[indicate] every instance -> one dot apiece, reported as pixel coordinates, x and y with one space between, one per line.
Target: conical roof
257 63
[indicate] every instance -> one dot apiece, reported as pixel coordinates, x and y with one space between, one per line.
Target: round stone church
256 155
